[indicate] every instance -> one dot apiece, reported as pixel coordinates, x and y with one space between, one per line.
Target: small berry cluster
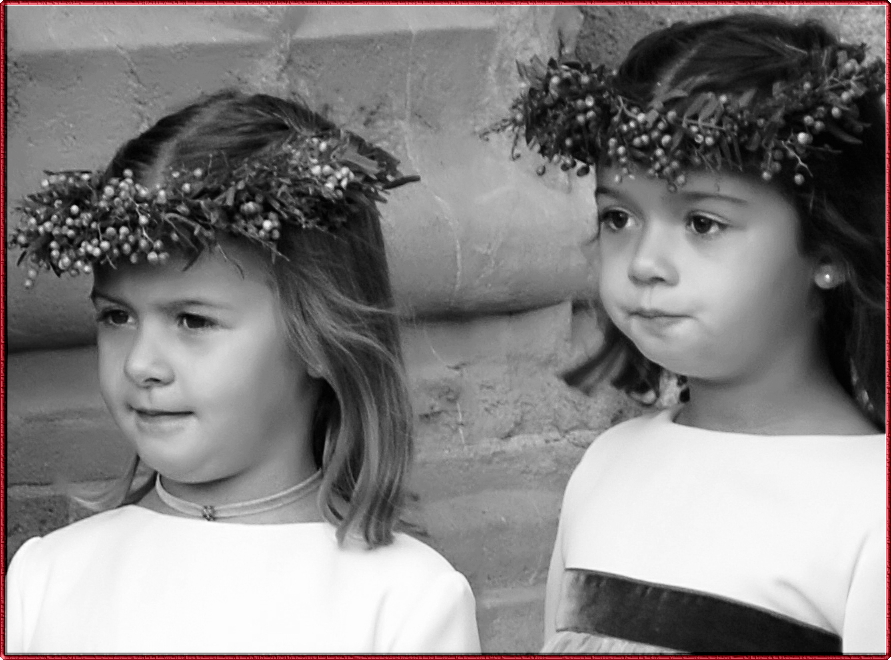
575 115
79 219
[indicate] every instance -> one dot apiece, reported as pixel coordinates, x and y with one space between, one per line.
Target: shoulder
73 544
423 603
622 438
85 532
859 468
625 448
406 556
851 468
419 564
650 424
406 564
408 572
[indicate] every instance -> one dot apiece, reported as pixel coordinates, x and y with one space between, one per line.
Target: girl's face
196 369
708 281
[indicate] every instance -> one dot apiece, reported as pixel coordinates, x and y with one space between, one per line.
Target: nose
651 260
146 364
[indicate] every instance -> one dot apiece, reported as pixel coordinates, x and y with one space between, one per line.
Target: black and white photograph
460 329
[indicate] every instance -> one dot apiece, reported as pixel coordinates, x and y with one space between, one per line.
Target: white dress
673 538
133 580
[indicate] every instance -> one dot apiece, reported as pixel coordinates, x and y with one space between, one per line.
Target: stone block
72 445
491 509
57 425
383 66
539 335
495 377
511 620
32 514
497 237
608 32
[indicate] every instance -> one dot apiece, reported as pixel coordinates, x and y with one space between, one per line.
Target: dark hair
334 290
842 214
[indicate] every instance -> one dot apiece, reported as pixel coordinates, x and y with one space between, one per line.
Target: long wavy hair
335 294
842 214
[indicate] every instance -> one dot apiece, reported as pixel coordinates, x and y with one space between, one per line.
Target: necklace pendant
208 512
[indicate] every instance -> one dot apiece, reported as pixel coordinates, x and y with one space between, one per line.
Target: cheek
775 289
610 276
110 364
252 370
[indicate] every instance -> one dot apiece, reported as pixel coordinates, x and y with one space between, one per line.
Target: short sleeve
16 579
442 620
579 478
867 607
555 576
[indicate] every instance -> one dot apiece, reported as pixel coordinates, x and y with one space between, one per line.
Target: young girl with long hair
740 170
249 353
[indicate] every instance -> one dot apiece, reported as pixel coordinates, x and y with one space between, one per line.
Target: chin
175 463
178 473
670 361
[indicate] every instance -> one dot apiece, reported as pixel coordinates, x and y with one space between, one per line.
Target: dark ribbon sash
690 621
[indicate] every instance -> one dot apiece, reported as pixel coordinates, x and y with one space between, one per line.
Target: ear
828 276
314 371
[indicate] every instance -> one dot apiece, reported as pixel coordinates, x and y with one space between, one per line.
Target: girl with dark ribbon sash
740 172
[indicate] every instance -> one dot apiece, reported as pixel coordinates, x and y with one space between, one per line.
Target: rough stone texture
493 512
608 32
57 424
32 514
482 234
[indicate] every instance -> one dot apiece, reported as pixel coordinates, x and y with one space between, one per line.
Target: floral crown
573 112
81 219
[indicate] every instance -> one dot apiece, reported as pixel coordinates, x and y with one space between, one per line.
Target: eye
196 322
112 317
703 225
614 220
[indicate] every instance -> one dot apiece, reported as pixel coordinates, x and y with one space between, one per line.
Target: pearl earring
826 277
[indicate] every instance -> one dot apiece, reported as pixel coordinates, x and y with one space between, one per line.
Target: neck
289 461
241 487
797 395
250 508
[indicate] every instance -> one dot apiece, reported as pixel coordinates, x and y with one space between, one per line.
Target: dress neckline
669 415
221 524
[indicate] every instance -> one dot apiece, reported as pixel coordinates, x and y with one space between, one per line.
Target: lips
160 414
650 321
154 412
655 314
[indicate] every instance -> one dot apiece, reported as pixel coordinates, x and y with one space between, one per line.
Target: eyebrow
695 196
95 294
604 190
689 195
173 305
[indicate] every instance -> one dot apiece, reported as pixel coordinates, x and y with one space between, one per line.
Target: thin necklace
250 507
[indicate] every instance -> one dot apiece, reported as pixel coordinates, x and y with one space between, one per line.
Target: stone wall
485 255
608 32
